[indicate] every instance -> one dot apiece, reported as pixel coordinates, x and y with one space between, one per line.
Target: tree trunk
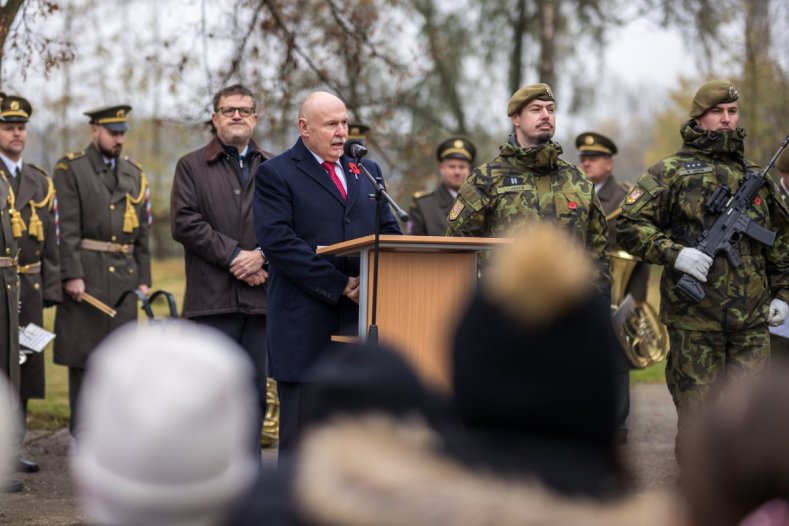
519 33
757 73
8 13
548 16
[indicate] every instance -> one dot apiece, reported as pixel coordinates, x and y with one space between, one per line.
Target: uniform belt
32 268
105 246
7 262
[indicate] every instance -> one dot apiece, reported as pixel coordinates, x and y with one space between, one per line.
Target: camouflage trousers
697 360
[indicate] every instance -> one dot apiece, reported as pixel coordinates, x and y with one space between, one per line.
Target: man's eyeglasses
229 111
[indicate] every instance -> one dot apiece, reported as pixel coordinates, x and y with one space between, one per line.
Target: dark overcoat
9 294
211 215
38 244
298 208
428 214
90 210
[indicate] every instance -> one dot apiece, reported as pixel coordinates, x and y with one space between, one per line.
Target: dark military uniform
523 184
104 219
666 212
39 271
9 297
611 194
429 211
116 218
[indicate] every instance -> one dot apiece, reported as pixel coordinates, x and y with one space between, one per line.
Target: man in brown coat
211 216
104 221
34 217
429 210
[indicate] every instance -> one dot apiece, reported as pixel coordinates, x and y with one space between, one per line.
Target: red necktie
329 167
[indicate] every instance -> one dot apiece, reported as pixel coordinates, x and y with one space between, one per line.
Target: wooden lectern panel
423 283
423 294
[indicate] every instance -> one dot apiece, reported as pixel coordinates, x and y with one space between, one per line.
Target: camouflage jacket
665 212
522 184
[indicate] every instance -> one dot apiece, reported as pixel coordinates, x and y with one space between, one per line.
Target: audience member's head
358 379
8 431
737 470
166 413
534 359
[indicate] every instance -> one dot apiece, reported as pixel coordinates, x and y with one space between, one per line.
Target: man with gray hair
312 195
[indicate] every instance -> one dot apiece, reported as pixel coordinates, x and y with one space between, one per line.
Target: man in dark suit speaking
308 197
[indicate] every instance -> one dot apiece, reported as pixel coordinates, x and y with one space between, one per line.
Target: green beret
14 109
591 143
710 95
456 148
783 162
527 94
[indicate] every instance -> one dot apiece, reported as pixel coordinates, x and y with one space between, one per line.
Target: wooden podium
423 283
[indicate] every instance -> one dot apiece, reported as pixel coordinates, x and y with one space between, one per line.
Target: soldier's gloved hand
693 262
779 310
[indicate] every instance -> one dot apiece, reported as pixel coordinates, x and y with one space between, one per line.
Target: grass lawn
53 412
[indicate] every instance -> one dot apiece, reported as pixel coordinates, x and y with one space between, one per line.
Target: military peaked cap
113 118
14 109
591 143
710 95
527 94
456 148
358 131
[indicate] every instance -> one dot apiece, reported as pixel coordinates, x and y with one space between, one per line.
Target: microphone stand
380 194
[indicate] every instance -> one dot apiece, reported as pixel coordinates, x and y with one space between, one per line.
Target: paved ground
50 498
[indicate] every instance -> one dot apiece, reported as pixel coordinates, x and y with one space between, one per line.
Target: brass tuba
644 339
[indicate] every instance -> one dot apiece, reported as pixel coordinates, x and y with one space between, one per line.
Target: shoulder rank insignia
126 158
420 193
61 166
457 208
634 195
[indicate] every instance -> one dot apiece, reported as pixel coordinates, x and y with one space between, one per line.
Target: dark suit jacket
297 208
428 214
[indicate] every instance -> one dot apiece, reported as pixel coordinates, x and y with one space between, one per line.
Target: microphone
356 150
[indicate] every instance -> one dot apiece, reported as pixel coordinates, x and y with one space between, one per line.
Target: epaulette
626 186
75 155
422 193
38 168
126 158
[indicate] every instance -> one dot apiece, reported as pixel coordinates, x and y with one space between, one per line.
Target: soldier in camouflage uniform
528 181
779 336
663 217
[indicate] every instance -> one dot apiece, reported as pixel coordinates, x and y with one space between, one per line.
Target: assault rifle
731 225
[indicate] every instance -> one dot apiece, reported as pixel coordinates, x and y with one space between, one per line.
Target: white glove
779 310
693 262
